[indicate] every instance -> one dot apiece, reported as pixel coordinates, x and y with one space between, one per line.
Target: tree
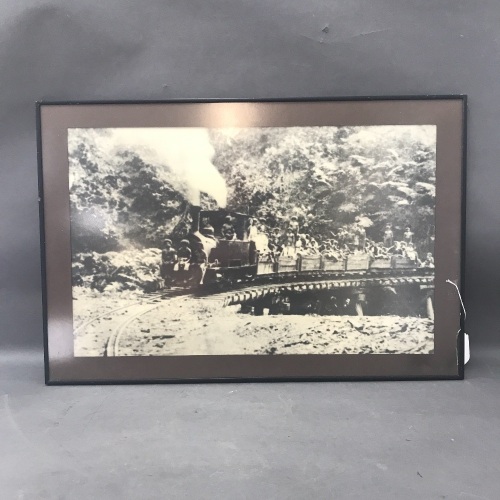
325 175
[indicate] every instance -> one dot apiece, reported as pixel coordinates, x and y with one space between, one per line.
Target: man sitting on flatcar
313 245
199 262
429 260
399 248
411 253
274 244
262 241
275 237
168 261
300 244
207 237
184 253
289 249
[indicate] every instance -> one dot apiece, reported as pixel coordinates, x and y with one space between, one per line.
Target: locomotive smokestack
195 216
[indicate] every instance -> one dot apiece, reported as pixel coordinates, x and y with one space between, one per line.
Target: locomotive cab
232 259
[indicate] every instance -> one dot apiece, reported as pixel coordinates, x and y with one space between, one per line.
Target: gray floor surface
283 440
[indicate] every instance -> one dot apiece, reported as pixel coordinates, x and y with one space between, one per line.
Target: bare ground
146 326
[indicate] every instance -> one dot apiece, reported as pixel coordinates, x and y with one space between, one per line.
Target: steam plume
183 156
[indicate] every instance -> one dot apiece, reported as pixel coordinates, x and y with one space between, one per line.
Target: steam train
237 260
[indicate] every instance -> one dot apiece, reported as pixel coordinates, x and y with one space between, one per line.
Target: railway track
240 294
264 286
151 297
112 347
144 304
138 309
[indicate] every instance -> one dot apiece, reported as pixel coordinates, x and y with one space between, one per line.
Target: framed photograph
267 240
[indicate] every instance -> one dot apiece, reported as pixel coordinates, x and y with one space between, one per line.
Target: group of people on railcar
292 241
182 259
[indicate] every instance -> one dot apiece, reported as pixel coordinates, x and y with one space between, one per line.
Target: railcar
237 260
352 263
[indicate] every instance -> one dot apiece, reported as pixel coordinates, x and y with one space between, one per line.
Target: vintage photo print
252 241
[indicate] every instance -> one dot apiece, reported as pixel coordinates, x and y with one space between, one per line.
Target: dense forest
329 176
324 175
125 196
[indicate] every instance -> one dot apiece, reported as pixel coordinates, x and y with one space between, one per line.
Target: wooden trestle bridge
263 293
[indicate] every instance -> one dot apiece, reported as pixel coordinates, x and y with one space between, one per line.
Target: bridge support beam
245 309
429 300
430 307
258 309
262 306
359 309
359 302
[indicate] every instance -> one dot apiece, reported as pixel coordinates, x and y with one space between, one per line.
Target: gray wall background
157 49
387 440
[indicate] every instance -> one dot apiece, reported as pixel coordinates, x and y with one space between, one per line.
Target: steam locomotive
229 260
237 260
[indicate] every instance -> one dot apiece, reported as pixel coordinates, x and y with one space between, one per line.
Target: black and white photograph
252 240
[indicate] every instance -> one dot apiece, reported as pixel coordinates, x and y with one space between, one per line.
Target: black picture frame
447 113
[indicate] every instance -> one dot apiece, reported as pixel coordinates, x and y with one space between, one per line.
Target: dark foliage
326 176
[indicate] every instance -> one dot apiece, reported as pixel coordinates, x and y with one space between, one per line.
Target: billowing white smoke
182 155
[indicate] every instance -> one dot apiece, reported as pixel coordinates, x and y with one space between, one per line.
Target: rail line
162 294
292 281
247 292
113 343
242 296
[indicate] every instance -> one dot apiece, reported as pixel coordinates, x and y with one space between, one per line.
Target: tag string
459 296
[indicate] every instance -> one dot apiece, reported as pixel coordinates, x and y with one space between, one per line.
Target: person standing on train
289 246
388 236
262 241
252 229
293 227
408 235
359 235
